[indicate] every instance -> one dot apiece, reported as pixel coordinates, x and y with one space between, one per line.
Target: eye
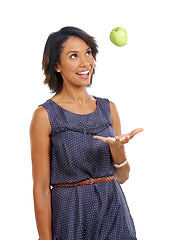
88 53
73 56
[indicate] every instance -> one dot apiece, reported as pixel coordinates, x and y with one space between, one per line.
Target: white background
138 78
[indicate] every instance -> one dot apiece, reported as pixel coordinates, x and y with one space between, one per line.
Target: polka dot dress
87 212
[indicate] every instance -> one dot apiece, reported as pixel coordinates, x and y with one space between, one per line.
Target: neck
75 95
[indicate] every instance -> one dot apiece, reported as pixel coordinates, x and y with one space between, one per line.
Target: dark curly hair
53 49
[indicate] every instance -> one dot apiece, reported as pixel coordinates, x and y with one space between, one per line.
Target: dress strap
104 106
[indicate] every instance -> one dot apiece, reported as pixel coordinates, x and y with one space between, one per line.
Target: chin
85 82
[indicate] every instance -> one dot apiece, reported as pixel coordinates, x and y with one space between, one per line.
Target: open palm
120 139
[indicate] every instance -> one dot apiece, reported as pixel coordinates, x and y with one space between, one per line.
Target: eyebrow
77 51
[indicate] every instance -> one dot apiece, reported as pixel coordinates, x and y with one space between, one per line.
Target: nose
84 62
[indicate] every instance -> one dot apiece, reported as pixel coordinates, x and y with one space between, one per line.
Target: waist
86 182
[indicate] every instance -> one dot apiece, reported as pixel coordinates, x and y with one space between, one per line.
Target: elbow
123 179
123 176
39 189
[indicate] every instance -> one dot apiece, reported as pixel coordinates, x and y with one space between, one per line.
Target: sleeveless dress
97 211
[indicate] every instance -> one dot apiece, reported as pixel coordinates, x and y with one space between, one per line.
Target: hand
121 139
117 144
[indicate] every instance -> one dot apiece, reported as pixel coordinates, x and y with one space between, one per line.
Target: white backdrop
137 77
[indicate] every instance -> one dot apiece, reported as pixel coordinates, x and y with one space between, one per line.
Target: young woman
77 149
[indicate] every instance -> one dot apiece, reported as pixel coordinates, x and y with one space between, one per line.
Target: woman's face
76 62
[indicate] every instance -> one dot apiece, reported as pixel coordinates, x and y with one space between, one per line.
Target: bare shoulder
115 119
40 120
40 112
114 112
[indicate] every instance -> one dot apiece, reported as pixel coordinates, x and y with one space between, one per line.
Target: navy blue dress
87 212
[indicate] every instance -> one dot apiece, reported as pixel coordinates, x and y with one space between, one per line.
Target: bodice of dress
75 155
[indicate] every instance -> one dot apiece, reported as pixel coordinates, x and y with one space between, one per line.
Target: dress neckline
77 113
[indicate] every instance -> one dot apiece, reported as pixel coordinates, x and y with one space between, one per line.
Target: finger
117 139
103 139
125 139
134 132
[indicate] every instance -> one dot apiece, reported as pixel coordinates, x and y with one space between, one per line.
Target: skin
75 57
40 149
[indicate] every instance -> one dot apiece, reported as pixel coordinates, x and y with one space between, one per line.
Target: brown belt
88 181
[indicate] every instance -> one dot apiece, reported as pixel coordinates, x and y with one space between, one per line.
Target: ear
57 67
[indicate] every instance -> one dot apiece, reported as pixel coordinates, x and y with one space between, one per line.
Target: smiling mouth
84 74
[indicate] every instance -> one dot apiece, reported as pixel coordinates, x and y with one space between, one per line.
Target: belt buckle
92 180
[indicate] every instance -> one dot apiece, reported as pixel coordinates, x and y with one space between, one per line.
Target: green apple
118 36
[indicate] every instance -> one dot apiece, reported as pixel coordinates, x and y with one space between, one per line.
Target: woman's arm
123 172
117 145
40 154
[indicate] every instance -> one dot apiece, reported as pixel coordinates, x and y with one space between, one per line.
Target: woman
77 149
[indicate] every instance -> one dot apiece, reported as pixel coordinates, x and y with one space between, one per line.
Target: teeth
83 73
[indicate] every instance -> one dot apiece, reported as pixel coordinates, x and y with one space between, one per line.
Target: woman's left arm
117 145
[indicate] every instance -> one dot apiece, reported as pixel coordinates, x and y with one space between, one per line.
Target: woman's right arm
40 130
